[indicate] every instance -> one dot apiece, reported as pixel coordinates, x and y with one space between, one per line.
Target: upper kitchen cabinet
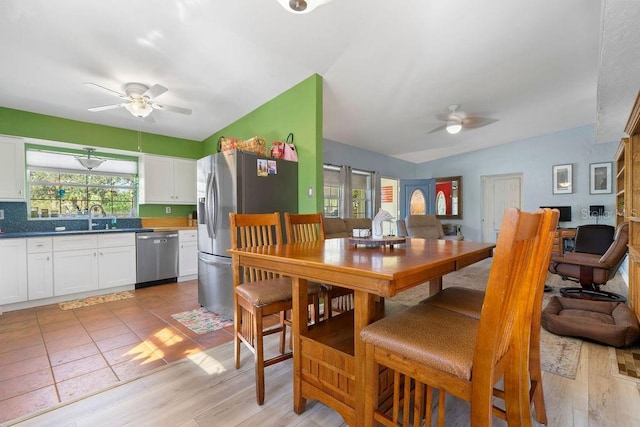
167 180
12 170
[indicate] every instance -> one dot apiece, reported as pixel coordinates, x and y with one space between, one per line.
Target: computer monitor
565 212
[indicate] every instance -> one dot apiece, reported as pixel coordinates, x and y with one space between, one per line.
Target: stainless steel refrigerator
241 182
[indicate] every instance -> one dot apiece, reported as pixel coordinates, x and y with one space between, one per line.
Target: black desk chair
599 251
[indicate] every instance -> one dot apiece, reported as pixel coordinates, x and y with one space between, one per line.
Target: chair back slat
304 227
254 230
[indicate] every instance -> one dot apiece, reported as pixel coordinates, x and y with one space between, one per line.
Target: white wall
534 159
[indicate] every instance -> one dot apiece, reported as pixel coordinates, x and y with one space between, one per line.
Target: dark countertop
72 232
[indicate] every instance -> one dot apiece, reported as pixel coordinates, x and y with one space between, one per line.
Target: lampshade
139 108
301 6
454 127
90 162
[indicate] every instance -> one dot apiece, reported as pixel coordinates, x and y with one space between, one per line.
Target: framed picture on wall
600 178
563 179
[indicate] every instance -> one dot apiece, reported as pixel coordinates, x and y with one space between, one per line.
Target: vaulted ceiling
390 68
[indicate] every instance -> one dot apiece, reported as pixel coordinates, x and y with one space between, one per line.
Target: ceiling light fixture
301 6
139 107
454 126
90 162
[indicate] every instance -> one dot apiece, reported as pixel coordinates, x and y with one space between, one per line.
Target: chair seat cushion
264 292
461 300
611 323
419 333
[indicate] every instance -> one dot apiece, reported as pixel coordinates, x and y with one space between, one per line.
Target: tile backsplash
16 221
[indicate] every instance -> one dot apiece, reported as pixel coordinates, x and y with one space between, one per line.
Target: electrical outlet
167 209
1 213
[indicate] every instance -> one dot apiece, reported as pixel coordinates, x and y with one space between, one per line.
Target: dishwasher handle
162 236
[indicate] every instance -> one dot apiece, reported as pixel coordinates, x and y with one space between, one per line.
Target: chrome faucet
91 224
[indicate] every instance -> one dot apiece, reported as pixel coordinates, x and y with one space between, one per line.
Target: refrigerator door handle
210 205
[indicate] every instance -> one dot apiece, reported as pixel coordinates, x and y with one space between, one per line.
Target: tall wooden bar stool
469 302
259 293
428 347
310 228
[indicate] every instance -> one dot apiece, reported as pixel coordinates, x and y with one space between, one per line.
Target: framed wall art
600 178
563 179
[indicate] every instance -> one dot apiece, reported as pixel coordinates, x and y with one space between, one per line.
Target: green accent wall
32 125
299 111
158 211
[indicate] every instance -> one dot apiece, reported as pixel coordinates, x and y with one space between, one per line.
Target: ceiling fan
455 121
139 100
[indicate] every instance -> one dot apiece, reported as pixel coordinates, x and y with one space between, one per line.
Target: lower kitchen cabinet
13 271
117 266
75 271
188 254
40 267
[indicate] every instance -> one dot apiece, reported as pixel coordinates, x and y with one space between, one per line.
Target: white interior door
499 193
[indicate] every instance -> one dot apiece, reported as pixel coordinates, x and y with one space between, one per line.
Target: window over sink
60 187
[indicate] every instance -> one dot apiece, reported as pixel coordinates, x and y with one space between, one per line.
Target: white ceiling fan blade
107 90
108 107
439 128
171 108
155 91
477 122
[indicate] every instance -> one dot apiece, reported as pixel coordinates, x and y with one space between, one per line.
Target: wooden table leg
435 285
299 326
364 306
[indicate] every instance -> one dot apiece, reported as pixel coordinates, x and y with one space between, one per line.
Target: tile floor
48 355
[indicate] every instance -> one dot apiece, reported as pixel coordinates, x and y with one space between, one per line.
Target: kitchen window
59 187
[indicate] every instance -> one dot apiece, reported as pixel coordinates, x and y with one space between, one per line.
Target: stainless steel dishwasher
157 258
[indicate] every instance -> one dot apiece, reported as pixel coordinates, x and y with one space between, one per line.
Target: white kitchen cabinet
13 271
116 259
168 180
188 255
40 267
12 169
75 260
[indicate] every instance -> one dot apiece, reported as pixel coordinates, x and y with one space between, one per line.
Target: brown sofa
425 226
343 227
611 323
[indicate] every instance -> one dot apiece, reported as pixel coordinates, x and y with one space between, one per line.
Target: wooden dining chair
469 302
259 293
310 228
428 347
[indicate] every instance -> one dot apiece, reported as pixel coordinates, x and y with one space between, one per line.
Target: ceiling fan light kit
90 162
453 127
139 108
301 6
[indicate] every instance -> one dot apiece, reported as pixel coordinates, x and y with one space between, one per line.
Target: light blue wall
534 159
338 154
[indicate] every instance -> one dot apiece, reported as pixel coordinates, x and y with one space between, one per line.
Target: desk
328 358
561 235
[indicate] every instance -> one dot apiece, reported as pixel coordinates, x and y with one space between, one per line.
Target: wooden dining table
328 356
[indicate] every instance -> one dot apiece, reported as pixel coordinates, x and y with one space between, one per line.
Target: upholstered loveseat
343 227
426 226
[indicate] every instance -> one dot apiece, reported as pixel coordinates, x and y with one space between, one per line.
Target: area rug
202 321
559 355
628 362
98 299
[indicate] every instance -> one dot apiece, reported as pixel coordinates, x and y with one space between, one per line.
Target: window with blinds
342 180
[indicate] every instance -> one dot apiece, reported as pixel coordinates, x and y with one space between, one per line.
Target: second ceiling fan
139 100
455 121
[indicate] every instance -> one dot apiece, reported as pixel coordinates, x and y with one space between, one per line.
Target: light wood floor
206 390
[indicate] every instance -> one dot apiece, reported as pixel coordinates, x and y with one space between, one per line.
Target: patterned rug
98 299
559 355
628 362
202 321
